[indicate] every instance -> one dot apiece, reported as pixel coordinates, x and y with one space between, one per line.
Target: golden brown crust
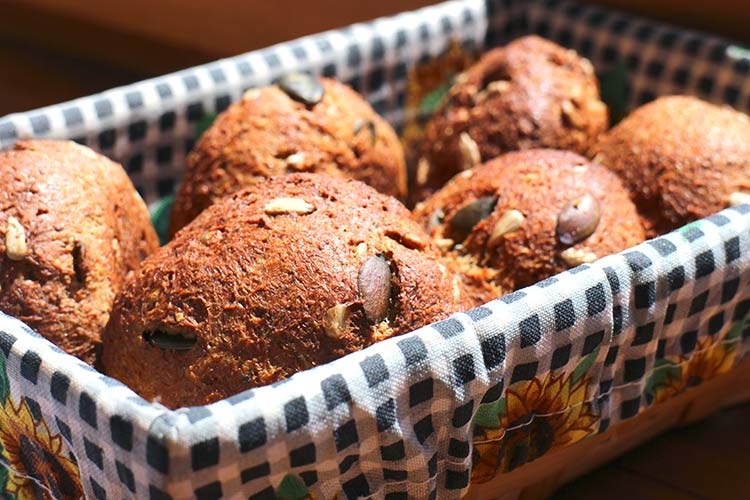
681 157
268 133
275 279
71 228
531 93
517 243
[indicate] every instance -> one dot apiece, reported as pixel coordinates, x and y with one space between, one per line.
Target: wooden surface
55 50
706 460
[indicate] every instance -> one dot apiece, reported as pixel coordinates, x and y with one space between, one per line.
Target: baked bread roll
283 276
302 124
532 93
682 158
528 215
73 227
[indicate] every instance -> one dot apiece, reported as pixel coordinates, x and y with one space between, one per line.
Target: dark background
55 50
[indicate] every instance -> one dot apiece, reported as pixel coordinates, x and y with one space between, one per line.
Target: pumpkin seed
469 215
578 219
171 341
374 285
302 87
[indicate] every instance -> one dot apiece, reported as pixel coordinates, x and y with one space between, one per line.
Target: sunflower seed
571 115
374 285
15 240
469 215
496 87
580 169
296 160
171 341
444 244
578 219
470 156
575 257
251 94
456 289
280 206
423 171
436 218
509 222
361 123
526 126
88 152
302 87
336 320
599 158
738 198
409 240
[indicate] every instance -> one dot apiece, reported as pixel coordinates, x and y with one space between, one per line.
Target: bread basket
627 347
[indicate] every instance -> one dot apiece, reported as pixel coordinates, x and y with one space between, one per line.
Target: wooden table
706 460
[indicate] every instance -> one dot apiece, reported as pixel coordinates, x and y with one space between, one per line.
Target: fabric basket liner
407 417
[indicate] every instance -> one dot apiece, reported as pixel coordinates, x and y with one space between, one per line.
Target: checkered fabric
395 421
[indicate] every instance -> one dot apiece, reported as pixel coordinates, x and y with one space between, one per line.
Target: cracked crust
268 293
681 157
82 228
531 93
268 133
515 244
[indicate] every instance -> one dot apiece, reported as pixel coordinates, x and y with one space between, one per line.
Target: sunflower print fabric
533 418
711 357
34 461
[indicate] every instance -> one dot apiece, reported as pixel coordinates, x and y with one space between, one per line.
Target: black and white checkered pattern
393 421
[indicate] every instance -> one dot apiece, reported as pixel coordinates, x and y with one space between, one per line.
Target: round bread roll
301 124
73 227
528 215
283 276
682 158
531 93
